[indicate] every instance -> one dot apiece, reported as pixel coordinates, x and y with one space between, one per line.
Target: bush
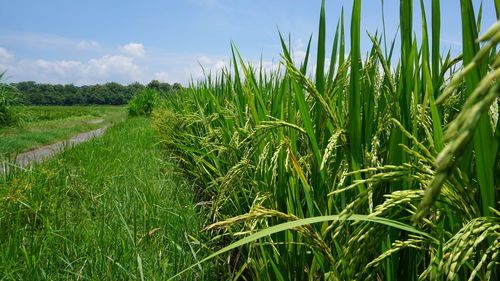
143 103
8 98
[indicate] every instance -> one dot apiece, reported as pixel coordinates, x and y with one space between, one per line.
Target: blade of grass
355 92
333 58
303 69
436 34
294 224
483 142
320 62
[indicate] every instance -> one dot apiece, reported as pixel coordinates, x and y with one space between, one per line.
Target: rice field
376 167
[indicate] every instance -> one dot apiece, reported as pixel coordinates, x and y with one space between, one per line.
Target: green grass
39 113
44 125
108 209
294 162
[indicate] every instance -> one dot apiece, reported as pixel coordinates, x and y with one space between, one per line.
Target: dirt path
44 152
96 121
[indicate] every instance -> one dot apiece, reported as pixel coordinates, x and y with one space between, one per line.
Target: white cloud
124 69
85 45
126 64
205 60
452 42
162 76
181 67
112 68
299 44
268 66
133 49
298 56
212 64
108 68
81 62
5 55
39 41
57 67
101 63
44 70
219 65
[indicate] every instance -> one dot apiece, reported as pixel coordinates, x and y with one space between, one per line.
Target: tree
154 84
110 93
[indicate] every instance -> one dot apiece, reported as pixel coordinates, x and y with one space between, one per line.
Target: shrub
8 98
143 103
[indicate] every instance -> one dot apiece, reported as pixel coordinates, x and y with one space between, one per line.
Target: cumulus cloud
108 68
269 66
299 44
127 64
88 62
212 64
298 56
121 68
5 55
112 68
162 76
133 49
298 52
60 68
85 45
44 70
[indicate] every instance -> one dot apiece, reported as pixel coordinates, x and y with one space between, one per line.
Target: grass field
42 125
108 209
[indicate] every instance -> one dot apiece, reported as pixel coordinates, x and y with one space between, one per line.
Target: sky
98 41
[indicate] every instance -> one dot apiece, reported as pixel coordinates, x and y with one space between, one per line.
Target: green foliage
8 99
144 102
111 93
164 88
406 144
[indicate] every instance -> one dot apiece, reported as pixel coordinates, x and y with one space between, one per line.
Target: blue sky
89 42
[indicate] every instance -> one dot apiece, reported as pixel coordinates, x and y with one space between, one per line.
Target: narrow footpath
42 153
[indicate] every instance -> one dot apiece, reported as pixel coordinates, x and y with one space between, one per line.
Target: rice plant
379 168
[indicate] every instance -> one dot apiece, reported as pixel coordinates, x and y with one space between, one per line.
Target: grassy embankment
107 209
377 168
42 125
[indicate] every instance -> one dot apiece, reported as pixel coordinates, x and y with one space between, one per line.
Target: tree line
112 93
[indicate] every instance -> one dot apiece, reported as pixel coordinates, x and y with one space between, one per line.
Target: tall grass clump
8 99
143 103
379 168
